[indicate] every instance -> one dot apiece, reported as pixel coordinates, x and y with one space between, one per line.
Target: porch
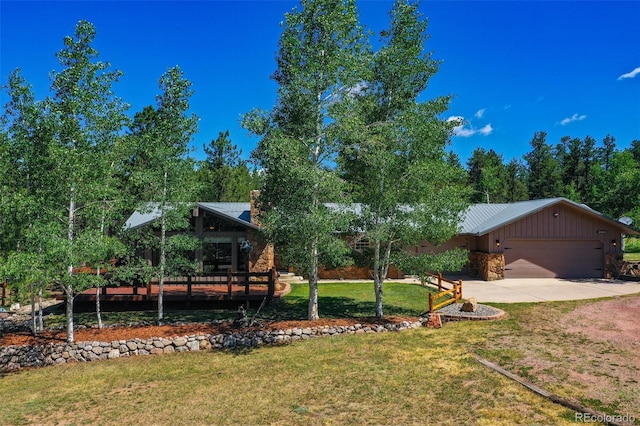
206 289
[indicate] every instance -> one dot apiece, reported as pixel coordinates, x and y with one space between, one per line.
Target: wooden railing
452 295
229 279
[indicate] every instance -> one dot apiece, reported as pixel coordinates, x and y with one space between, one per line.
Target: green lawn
632 257
336 300
424 376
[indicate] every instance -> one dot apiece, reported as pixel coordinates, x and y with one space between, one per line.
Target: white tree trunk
163 254
68 288
40 309
313 286
98 312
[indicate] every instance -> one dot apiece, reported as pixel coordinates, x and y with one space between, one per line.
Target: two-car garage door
553 258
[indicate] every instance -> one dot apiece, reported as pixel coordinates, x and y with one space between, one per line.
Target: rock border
453 312
14 358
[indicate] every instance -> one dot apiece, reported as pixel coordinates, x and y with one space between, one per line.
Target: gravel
482 312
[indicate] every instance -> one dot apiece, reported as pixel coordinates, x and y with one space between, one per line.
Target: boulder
470 305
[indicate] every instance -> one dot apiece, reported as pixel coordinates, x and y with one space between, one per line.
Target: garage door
553 258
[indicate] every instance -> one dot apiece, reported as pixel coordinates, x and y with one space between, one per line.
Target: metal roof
481 219
239 213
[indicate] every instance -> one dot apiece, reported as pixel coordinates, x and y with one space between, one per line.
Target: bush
632 245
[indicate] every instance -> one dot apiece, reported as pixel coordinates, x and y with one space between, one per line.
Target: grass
335 300
423 376
418 377
632 257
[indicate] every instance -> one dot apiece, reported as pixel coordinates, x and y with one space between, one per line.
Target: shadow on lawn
295 308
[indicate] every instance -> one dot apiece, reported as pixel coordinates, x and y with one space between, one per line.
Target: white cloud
574 117
486 130
465 130
480 113
631 74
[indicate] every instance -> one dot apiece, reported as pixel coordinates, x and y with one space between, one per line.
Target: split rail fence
450 295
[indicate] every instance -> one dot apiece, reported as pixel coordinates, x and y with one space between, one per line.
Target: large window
217 254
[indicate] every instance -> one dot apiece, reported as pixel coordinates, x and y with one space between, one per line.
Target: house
223 228
544 238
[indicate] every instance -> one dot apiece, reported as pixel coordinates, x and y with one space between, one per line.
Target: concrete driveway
545 289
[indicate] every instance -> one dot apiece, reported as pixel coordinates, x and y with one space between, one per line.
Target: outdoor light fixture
497 243
614 242
555 214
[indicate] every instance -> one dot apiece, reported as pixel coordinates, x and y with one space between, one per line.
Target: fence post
439 282
273 275
459 290
430 303
188 288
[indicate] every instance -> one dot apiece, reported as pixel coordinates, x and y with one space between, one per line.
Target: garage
547 238
554 259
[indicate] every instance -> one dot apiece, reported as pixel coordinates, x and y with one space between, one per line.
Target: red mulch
146 332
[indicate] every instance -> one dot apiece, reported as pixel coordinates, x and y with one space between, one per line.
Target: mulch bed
110 334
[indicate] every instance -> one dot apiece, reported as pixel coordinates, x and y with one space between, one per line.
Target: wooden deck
221 287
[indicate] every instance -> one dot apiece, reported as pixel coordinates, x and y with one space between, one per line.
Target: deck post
272 284
188 289
229 284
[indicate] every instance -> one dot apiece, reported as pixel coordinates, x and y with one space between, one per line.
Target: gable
482 219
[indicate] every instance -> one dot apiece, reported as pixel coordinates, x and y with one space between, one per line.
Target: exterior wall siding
555 222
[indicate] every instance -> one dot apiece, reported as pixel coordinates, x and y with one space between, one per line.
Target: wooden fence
251 281
451 295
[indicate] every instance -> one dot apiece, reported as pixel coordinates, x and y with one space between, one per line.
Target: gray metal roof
239 213
143 216
481 219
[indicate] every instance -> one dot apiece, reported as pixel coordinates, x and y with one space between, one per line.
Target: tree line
599 175
75 165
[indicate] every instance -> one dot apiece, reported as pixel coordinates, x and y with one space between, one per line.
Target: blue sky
570 68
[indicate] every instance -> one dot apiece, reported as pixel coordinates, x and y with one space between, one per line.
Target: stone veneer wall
262 258
355 273
488 266
17 357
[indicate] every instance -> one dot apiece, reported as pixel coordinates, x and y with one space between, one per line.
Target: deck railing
230 278
451 295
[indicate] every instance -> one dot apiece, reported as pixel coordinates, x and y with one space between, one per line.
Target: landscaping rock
471 305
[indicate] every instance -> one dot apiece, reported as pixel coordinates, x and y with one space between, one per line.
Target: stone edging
18 357
460 317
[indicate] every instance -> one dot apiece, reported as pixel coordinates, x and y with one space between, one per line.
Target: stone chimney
254 212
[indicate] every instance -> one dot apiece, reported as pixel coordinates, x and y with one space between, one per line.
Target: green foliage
224 176
447 261
160 174
544 173
394 154
632 245
320 50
